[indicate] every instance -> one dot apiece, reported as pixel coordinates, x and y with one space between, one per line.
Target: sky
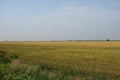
39 20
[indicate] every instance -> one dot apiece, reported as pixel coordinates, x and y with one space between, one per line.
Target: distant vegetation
60 60
107 40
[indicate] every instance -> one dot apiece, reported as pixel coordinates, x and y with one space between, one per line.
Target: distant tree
6 41
107 40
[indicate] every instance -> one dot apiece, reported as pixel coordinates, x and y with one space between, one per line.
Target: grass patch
60 60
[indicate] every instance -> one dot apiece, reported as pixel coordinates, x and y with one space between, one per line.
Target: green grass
61 60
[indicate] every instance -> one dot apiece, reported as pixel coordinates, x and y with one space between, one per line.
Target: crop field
87 60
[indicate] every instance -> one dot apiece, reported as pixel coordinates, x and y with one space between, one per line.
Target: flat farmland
85 60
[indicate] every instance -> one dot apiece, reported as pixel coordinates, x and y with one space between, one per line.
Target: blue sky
59 20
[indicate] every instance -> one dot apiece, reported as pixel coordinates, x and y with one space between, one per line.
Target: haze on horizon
22 20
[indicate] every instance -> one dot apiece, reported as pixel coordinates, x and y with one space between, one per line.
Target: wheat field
85 60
